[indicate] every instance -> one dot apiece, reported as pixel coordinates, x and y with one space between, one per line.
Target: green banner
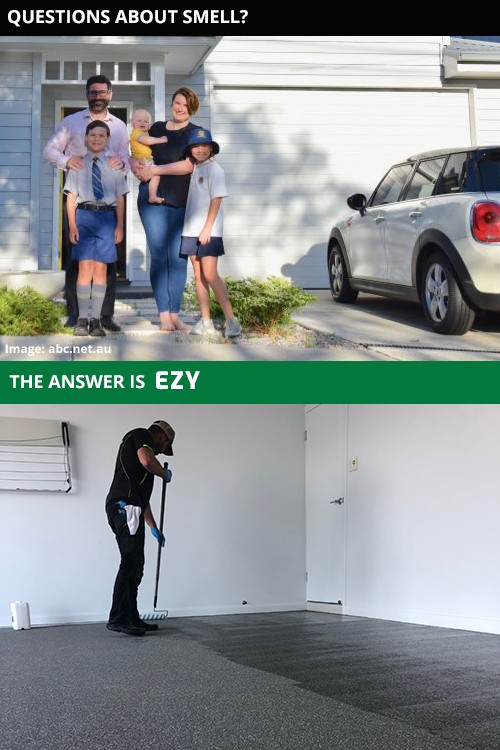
250 382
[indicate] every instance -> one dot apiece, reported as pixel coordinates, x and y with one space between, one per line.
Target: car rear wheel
339 280
445 308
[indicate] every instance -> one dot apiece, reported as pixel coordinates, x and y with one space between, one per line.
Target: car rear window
424 179
454 175
489 171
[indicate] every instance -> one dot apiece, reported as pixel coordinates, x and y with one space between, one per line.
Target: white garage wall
423 514
292 157
234 522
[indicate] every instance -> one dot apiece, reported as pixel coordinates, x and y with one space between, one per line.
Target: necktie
97 180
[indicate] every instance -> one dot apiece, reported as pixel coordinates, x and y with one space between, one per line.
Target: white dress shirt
69 139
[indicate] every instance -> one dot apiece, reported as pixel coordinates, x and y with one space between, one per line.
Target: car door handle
379 218
415 214
338 501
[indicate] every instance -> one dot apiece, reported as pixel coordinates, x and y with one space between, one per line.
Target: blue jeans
168 272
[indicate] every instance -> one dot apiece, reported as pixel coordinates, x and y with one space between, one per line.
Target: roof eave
468 66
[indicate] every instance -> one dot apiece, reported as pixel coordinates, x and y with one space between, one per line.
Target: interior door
121 249
326 503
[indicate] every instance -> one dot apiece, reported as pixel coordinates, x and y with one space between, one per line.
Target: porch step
125 290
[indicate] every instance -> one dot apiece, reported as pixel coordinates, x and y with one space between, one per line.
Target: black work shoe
81 328
95 328
146 625
71 322
109 324
127 629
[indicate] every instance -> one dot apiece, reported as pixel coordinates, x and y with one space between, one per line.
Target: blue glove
168 476
122 505
158 536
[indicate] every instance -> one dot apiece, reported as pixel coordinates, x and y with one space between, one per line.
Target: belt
95 207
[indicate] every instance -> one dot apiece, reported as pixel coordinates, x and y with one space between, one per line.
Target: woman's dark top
173 190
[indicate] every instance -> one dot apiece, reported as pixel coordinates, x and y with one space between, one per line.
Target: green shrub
259 305
24 312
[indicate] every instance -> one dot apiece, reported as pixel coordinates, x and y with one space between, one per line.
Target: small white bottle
20 615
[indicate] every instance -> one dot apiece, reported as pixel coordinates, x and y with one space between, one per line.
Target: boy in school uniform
95 206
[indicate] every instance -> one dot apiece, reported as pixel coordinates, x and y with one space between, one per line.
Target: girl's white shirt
207 182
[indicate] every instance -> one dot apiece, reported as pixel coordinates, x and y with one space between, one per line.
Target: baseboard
328 607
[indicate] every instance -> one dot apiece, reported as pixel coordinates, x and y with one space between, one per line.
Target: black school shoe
127 629
109 324
81 328
95 328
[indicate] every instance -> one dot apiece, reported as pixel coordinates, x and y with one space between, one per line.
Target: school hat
198 137
169 432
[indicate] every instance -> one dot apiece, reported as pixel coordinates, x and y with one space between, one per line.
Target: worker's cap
169 432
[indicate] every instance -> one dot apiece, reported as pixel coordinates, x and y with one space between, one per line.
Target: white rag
133 515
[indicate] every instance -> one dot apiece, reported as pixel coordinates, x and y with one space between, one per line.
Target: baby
140 142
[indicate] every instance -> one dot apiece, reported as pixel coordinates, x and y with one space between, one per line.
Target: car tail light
486 222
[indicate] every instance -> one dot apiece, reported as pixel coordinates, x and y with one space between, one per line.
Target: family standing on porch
163 221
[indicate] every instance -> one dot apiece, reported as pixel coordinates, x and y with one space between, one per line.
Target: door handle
338 501
379 219
415 214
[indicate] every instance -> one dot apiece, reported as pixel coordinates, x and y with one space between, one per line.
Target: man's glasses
93 94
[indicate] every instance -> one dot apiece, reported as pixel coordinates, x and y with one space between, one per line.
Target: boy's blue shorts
96 230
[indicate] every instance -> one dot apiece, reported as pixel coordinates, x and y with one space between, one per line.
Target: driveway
398 329
373 329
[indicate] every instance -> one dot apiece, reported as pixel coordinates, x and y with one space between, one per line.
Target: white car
430 232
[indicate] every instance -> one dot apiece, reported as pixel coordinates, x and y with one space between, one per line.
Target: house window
77 71
88 69
125 71
107 69
52 71
70 70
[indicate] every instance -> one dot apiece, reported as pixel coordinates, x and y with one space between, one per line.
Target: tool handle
162 517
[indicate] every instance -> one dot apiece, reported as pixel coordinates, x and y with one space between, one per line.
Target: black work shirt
131 481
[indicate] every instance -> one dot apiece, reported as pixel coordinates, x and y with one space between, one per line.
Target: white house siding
317 61
16 101
487 113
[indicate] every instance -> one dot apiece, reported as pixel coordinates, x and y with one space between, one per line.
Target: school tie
97 180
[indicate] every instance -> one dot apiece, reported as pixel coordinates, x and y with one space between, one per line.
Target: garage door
293 156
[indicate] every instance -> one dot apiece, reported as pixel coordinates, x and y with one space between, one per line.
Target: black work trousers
124 606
